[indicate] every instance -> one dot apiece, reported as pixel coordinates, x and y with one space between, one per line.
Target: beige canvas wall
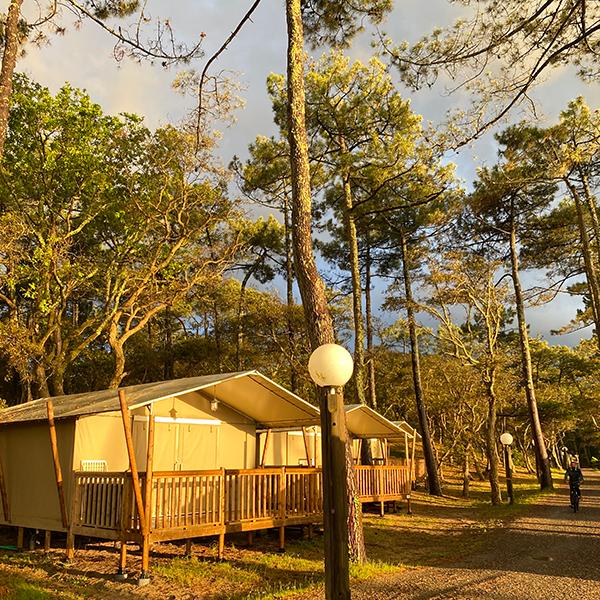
188 436
29 470
287 448
101 437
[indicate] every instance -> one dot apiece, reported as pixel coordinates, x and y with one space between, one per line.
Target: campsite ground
448 548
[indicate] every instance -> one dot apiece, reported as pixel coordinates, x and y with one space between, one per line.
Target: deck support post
282 538
221 546
70 546
122 571
188 547
145 574
250 538
47 540
20 538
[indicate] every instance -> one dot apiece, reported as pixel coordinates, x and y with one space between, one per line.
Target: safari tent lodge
164 461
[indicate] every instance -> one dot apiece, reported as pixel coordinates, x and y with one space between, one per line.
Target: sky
84 57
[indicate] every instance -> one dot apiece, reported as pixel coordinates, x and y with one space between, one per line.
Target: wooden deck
189 504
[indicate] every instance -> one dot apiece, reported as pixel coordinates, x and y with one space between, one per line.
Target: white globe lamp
506 439
330 365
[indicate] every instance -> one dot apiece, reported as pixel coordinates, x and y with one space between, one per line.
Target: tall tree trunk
372 396
590 202
478 469
310 284
588 260
534 417
435 487
289 284
466 473
169 359
9 62
57 379
218 341
357 313
41 380
491 449
239 330
118 352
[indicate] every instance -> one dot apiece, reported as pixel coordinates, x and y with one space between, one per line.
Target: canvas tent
302 445
206 422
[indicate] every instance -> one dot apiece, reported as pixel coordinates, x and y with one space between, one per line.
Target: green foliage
336 22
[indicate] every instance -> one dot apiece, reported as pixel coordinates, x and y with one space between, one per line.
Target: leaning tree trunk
491 449
590 202
591 274
435 487
9 62
357 313
310 284
118 352
545 473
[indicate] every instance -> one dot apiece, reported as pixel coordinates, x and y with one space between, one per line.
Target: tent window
94 465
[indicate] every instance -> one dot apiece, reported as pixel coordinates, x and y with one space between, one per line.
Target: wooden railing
303 492
102 500
380 483
253 494
202 501
182 499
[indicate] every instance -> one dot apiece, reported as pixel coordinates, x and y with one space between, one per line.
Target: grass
439 530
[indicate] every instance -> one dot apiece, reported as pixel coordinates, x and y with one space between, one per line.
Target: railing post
381 491
222 515
282 508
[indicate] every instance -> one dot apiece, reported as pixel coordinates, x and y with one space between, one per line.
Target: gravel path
550 554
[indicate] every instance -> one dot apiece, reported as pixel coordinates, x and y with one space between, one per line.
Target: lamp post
506 439
330 367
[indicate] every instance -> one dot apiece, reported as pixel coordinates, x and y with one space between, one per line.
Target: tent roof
247 392
409 429
364 422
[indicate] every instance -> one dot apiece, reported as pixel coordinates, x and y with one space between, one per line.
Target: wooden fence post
135 480
57 469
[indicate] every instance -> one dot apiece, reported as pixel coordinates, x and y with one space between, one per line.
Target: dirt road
549 554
